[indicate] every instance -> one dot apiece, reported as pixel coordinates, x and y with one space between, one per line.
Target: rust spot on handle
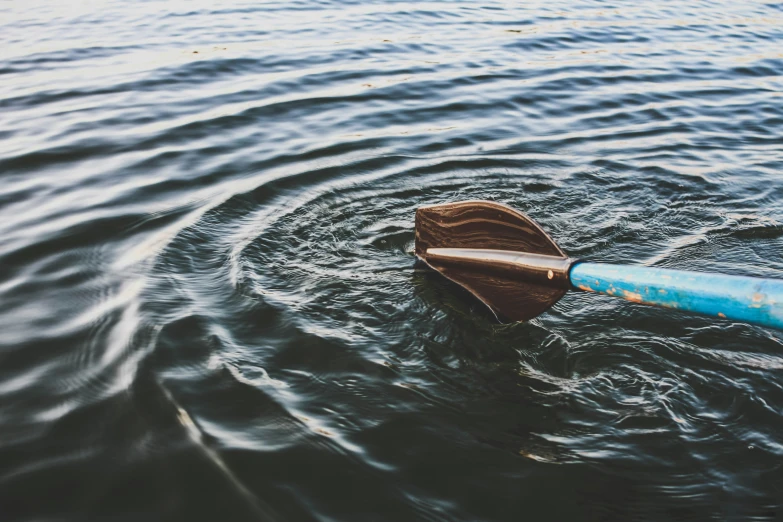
632 296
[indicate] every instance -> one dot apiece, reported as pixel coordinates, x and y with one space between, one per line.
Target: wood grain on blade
488 225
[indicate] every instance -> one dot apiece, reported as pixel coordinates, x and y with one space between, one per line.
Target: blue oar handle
748 299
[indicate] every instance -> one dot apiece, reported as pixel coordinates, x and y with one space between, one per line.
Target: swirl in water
210 306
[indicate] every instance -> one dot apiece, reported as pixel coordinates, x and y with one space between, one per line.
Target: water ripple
210 305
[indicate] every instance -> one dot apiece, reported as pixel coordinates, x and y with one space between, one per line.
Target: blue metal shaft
748 299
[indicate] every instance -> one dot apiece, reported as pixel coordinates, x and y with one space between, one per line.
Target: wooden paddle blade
492 226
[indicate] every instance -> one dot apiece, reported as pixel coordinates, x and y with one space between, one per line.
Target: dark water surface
210 310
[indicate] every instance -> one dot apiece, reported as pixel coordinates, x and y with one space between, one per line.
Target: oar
509 262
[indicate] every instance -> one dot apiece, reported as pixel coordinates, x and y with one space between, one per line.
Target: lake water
210 309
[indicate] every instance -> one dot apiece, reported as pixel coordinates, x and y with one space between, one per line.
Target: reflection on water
209 305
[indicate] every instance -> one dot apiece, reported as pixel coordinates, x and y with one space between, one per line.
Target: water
208 302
